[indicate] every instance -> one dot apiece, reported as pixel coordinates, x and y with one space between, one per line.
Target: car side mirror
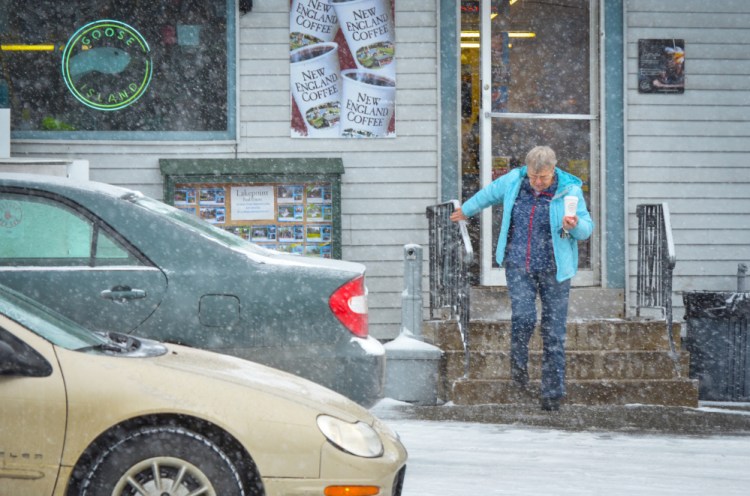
26 362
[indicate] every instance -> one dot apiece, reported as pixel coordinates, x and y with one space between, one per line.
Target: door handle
122 294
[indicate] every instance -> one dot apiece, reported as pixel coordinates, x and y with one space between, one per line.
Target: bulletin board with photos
291 212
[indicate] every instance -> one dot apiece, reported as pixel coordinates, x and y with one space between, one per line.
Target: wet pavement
710 418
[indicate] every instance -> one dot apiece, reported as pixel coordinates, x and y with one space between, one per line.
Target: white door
539 86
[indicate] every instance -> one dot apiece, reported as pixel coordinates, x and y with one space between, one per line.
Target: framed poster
342 61
661 66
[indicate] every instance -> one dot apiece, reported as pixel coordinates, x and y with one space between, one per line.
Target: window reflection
188 48
540 58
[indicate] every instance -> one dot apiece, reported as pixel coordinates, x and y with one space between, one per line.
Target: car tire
155 458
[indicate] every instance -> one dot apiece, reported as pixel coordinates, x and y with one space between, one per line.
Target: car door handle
122 293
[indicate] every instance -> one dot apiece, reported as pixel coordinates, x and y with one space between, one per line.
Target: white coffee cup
316 87
571 205
310 22
367 104
370 34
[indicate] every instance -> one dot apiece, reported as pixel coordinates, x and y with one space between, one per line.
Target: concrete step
589 335
493 303
609 361
678 392
584 365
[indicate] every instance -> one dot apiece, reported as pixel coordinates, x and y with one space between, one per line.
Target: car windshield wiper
115 343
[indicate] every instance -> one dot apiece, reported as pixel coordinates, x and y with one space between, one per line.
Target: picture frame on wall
661 66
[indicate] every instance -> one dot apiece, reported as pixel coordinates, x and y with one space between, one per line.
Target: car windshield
192 222
46 323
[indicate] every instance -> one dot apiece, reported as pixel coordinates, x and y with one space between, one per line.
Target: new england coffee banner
343 68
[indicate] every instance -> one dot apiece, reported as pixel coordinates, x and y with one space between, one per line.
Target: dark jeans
523 288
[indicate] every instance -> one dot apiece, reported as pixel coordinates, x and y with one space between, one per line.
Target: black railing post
656 262
451 254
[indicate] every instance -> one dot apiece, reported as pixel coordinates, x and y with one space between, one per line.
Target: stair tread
673 392
581 335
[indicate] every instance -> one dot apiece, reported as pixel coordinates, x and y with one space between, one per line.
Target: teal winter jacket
505 189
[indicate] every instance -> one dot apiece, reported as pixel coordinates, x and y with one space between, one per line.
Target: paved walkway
709 419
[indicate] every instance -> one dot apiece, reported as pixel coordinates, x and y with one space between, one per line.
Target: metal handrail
656 263
451 254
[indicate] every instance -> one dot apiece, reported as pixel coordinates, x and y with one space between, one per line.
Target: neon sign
107 65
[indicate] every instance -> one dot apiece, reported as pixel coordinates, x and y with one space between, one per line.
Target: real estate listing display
288 217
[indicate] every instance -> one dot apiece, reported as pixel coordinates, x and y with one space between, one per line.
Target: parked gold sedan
86 413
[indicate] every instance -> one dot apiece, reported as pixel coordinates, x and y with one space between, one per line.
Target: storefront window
107 69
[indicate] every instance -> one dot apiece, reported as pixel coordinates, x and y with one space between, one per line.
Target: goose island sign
107 65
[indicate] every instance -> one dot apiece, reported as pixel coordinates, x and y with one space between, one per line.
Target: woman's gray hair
541 158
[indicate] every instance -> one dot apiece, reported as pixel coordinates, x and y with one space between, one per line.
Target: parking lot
492 450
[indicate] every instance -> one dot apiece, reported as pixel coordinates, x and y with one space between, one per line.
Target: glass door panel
537 67
572 144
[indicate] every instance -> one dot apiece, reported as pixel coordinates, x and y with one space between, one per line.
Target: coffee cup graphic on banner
316 87
369 31
311 22
367 104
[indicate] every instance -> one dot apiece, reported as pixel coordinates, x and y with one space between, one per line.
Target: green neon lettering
94 95
87 38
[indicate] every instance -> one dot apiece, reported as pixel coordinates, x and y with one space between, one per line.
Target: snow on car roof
93 186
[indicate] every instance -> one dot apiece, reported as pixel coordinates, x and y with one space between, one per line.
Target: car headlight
356 438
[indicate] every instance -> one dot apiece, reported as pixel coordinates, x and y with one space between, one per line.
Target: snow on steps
609 361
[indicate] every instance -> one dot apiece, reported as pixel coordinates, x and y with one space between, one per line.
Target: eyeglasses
536 177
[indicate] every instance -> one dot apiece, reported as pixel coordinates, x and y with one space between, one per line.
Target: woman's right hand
458 215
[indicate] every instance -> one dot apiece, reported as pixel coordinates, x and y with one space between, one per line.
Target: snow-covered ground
463 459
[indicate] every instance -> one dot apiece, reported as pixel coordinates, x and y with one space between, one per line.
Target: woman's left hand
570 222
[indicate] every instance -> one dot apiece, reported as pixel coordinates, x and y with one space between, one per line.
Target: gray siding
387 182
692 150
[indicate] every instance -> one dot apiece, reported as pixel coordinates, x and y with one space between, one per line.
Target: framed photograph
214 215
184 196
661 66
212 196
289 193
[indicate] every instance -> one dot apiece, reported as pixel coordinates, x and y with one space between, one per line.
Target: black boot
550 404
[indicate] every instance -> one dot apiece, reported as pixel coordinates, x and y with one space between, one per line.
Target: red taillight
349 305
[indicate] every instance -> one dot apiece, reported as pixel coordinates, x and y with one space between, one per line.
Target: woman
539 245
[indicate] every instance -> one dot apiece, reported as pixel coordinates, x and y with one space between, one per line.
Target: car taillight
349 304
